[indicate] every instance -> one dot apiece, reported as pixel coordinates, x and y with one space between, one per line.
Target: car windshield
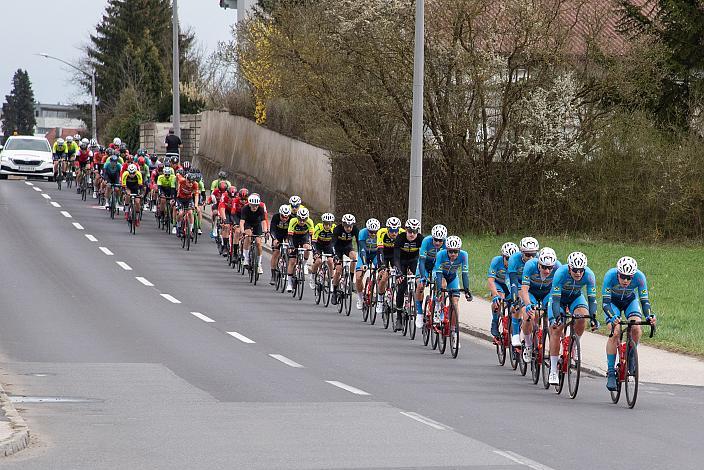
27 144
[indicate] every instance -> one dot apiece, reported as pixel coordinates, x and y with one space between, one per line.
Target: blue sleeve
554 312
491 272
513 264
642 286
437 269
514 284
465 270
362 243
606 287
421 257
591 291
528 270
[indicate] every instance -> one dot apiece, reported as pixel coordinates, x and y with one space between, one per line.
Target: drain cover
26 399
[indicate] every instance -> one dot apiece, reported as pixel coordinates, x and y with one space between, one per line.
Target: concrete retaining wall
284 165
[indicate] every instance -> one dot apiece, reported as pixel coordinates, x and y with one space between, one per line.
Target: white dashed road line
285 360
105 250
28 183
78 226
427 421
519 459
171 298
55 204
144 281
124 265
66 214
244 339
91 237
349 388
203 317
37 189
46 196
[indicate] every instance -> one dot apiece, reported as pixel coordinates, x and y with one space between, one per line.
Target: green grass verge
671 270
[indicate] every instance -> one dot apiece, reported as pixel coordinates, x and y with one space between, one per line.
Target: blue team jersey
538 286
516 266
427 255
366 242
497 270
444 268
565 289
613 291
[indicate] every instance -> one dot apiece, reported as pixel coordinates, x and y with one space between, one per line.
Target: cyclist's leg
526 325
612 342
580 307
420 290
359 276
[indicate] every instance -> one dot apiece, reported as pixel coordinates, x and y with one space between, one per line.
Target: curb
19 438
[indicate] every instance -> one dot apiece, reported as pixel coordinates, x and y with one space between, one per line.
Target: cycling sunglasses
543 267
438 240
625 277
453 252
577 270
393 230
529 255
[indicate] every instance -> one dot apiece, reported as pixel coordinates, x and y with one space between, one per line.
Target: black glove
468 295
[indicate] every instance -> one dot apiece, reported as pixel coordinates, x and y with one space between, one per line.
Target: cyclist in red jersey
235 208
187 194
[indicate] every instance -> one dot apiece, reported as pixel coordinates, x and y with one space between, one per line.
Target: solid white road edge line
78 226
349 388
171 298
244 339
427 421
105 250
55 204
203 317
66 214
285 360
91 237
124 265
514 457
144 281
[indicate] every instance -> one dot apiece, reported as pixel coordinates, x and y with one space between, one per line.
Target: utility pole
415 180
176 103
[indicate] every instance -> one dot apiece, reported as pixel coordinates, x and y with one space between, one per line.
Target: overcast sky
61 27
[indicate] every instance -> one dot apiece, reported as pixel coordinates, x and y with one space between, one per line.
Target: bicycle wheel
632 379
536 355
348 291
501 341
454 332
301 278
404 320
385 313
366 301
522 365
574 361
412 314
113 204
426 330
252 265
442 341
326 285
318 286
616 394
512 356
337 291
372 301
183 235
545 359
195 231
561 364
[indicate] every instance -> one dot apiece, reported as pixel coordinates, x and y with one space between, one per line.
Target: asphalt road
116 375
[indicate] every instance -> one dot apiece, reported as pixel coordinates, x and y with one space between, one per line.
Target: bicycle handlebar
630 323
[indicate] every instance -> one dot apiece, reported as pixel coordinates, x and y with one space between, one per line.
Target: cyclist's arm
397 254
309 223
422 256
525 282
554 312
123 179
642 286
465 270
437 269
292 226
591 291
316 232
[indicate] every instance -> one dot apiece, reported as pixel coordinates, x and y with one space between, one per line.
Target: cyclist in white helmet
385 239
625 291
538 274
366 256
450 264
528 248
344 243
429 248
567 295
279 233
498 285
406 253
322 244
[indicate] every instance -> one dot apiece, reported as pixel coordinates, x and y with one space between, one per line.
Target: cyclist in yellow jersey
386 237
322 244
300 230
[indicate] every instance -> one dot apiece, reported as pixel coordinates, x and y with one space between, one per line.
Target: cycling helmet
295 201
110 151
192 177
114 158
393 223
453 242
129 158
132 169
285 210
348 219
302 213
244 193
329 218
85 141
101 149
77 137
123 147
413 225
141 152
174 159
508 249
180 171
93 143
222 185
529 245
627 266
60 142
577 260
187 165
153 157
547 257
254 199
141 161
69 138
222 175
439 232
168 171
232 190
167 163
373 225
159 166
116 141
83 145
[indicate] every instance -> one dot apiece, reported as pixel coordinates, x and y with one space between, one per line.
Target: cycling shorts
632 309
342 250
324 248
58 156
543 302
279 235
297 241
501 287
82 165
185 203
370 256
255 228
580 301
132 187
112 178
166 191
453 283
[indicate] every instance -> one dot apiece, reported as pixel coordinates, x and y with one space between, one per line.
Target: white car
26 156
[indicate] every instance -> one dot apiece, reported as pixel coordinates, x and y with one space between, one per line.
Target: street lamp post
175 91
92 80
415 181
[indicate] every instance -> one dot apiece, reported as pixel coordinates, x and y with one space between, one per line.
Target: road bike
449 326
387 309
369 294
323 281
299 274
569 363
281 269
186 228
538 355
114 200
409 307
428 309
627 364
344 289
254 258
132 215
503 341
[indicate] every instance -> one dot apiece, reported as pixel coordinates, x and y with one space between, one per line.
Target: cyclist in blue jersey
567 294
528 249
429 249
448 263
538 274
625 290
496 278
367 254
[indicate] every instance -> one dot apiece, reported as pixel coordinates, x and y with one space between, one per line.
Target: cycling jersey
617 298
279 227
446 269
300 227
185 189
216 184
539 286
83 156
406 251
385 244
253 218
164 181
343 238
497 271
132 182
366 243
568 292
426 257
516 264
322 236
237 205
59 150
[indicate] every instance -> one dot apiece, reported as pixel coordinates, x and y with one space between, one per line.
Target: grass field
672 271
